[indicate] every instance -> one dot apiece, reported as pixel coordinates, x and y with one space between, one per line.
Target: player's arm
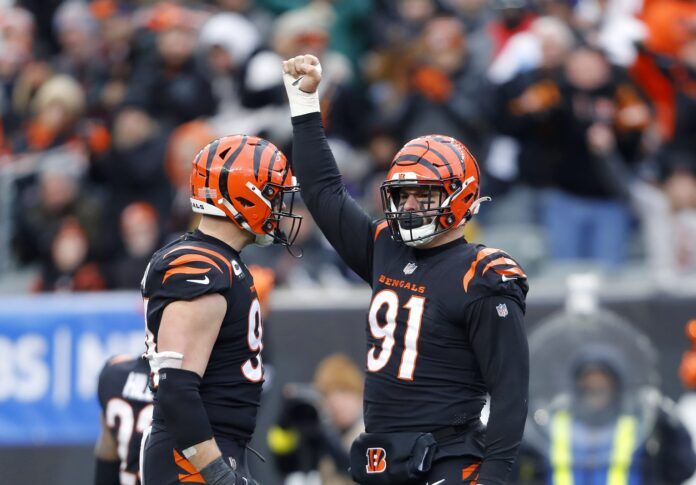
187 333
344 223
106 454
500 343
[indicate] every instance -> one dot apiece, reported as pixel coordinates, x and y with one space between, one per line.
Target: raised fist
305 71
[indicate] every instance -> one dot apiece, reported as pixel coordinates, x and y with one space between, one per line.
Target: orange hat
338 372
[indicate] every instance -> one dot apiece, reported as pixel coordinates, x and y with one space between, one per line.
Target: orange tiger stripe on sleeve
189 258
184 270
472 269
207 251
503 265
502 261
379 229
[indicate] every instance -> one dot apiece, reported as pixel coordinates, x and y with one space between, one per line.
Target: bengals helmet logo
376 460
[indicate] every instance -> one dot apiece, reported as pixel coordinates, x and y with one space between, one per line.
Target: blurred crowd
582 114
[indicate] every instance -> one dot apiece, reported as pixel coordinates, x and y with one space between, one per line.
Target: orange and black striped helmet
248 180
449 172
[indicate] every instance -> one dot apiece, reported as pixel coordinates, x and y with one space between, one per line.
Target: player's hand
305 72
218 472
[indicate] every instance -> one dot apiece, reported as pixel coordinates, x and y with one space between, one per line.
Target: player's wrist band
217 472
106 472
180 401
300 102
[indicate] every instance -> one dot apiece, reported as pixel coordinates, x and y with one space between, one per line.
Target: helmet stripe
225 171
418 159
211 153
443 159
258 151
271 162
458 155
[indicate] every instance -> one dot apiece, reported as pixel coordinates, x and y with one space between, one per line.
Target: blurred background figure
167 83
69 267
140 237
687 373
583 111
597 416
586 213
312 436
448 90
125 399
667 211
133 169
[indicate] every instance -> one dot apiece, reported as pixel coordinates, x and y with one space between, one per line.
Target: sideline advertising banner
52 349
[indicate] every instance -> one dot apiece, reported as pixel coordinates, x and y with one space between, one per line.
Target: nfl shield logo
502 310
410 268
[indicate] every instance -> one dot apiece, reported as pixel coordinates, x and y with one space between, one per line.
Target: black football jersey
420 360
445 326
192 266
126 402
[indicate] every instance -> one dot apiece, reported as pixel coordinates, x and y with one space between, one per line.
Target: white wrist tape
301 103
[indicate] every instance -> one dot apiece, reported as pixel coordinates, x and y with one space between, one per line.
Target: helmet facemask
282 225
415 227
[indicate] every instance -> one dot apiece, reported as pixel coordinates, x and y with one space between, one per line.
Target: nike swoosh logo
437 483
505 278
204 281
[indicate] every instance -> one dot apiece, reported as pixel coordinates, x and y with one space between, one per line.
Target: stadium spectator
312 437
105 82
447 92
244 79
16 44
140 236
133 169
168 84
586 213
56 111
69 268
43 207
667 211
80 54
528 107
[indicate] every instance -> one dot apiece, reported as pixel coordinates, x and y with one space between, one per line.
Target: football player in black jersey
445 326
126 402
203 318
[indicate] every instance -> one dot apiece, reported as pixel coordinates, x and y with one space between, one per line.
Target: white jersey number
253 371
378 356
120 414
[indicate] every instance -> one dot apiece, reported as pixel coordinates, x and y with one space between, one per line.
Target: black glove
218 472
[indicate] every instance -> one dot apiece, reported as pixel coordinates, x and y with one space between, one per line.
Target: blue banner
52 348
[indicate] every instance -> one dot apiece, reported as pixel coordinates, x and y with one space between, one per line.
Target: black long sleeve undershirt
344 223
501 349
